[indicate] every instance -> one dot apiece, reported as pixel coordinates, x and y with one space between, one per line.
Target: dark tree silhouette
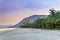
52 12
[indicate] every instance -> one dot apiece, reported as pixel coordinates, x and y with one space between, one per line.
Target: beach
30 34
6 29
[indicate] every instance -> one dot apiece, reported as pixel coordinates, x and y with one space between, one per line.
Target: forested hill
30 19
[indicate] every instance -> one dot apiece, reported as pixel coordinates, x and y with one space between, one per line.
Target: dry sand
7 29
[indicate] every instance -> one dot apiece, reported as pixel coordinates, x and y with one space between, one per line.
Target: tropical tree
52 12
52 21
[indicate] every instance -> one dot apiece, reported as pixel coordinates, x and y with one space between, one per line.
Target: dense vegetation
50 22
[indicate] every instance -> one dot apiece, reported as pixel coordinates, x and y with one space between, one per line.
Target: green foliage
26 24
52 21
52 12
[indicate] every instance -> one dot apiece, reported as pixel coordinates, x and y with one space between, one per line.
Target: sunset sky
13 11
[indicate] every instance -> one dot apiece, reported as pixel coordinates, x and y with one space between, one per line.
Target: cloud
12 5
13 11
27 5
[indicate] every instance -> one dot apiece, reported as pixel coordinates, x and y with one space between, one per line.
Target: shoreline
7 29
11 29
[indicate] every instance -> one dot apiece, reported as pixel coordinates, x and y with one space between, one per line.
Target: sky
13 11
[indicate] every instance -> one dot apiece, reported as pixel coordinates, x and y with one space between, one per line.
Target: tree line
52 21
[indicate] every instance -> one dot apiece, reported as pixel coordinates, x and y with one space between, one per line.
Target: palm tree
52 12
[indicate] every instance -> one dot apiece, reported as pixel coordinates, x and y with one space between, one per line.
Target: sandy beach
29 34
6 29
